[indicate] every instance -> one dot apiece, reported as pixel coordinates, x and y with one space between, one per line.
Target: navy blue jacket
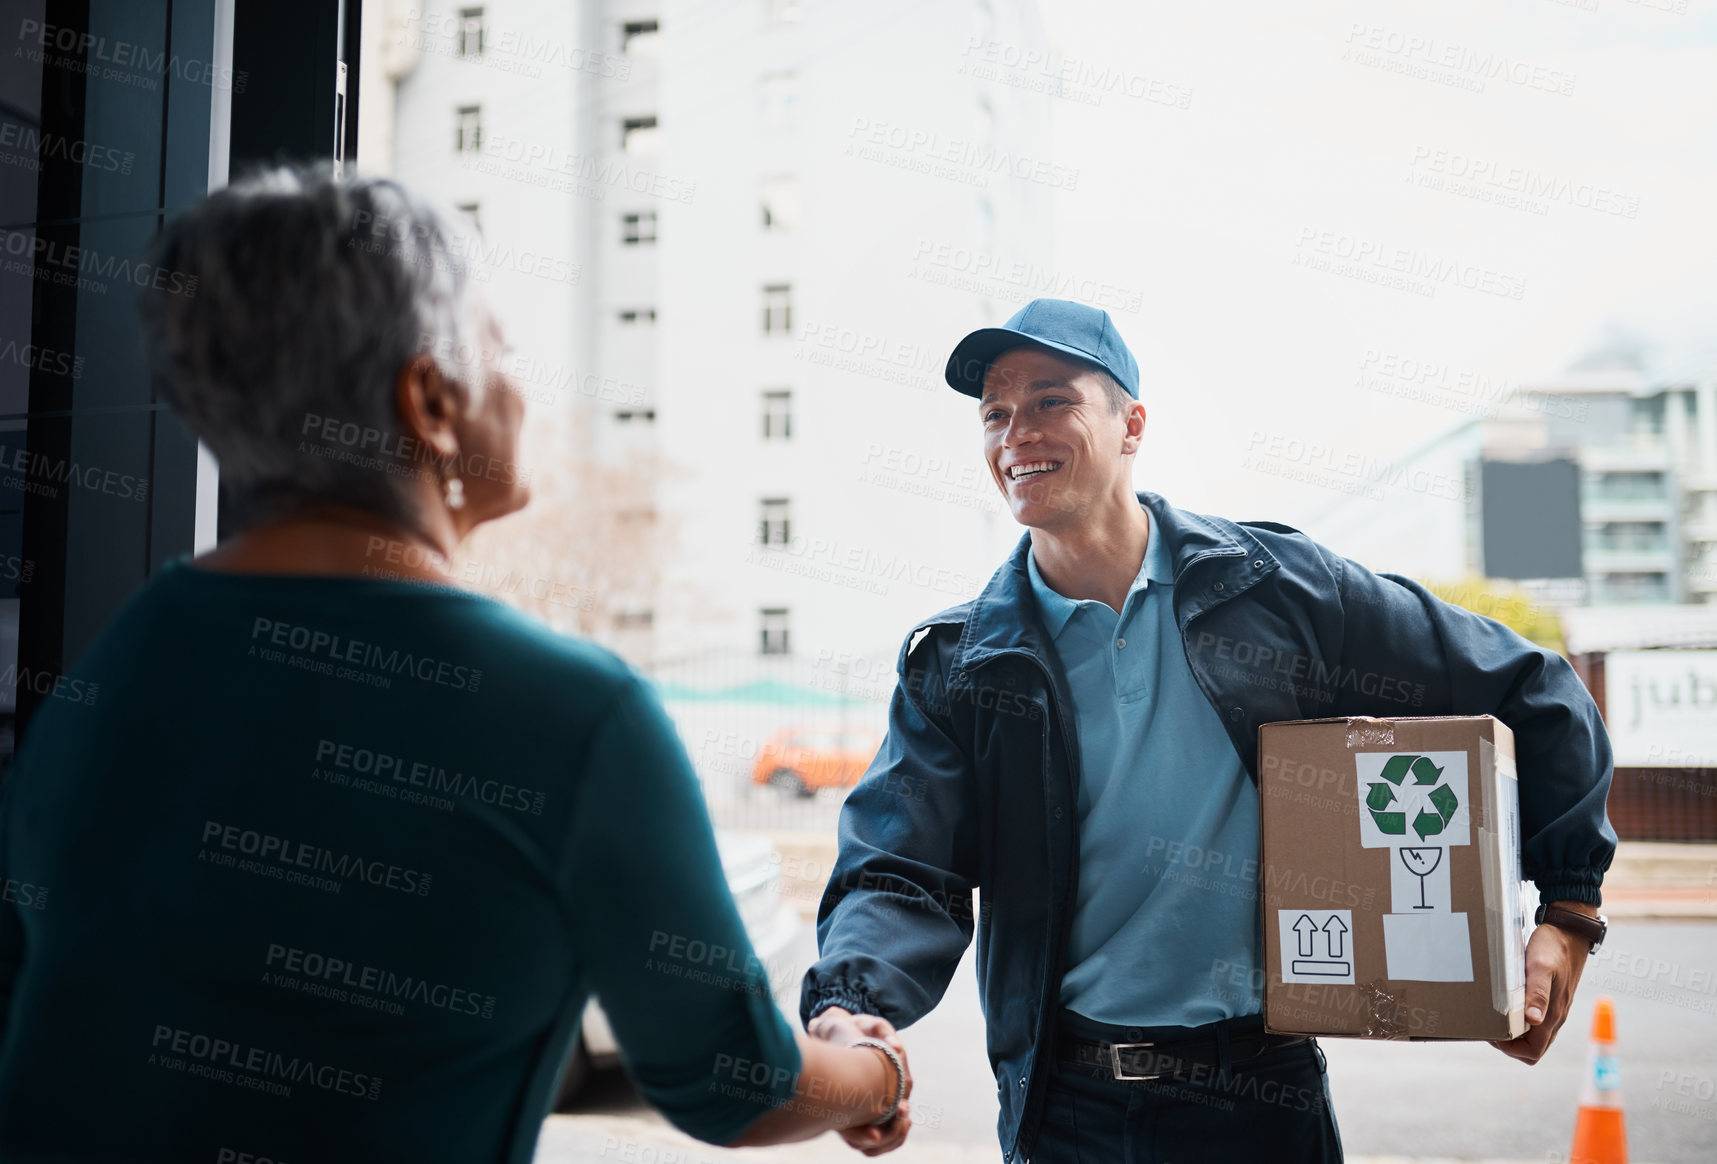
974 784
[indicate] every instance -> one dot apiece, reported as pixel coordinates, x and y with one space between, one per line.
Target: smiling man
1072 735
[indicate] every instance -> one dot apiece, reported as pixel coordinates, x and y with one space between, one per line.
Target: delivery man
1064 741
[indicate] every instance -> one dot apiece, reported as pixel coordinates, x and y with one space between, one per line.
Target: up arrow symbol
1305 928
1334 929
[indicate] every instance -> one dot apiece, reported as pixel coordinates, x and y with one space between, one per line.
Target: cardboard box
1391 878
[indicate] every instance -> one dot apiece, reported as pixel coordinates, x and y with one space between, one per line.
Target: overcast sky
1319 131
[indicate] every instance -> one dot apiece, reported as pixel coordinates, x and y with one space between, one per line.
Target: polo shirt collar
1057 608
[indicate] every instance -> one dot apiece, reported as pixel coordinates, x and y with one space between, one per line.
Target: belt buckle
1115 1050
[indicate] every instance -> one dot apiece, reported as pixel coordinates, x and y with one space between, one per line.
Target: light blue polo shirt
1166 928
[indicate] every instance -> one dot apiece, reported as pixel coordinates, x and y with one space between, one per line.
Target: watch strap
1582 925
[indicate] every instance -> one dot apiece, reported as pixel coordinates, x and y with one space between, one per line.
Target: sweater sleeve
667 954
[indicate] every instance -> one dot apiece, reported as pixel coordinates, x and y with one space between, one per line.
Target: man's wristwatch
1581 925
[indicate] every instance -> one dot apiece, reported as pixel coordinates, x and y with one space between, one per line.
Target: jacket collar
1006 616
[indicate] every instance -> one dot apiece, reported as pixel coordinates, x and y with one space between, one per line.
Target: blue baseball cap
1060 325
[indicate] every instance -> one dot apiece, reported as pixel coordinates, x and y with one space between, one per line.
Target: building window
773 625
628 415
1633 586
1628 485
470 32
1645 415
468 129
638 135
777 414
774 528
778 100
638 228
780 203
637 315
777 309
782 11
640 38
471 210
1634 537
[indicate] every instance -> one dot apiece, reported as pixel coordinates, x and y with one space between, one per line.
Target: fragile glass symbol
1421 862
1334 931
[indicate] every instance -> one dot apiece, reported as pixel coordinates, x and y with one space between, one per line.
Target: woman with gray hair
339 856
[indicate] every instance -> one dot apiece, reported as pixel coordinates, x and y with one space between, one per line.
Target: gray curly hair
309 293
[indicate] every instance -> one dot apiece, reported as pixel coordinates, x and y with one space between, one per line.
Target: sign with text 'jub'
1418 821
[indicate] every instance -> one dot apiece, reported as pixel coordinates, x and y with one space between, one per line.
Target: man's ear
427 404
1135 428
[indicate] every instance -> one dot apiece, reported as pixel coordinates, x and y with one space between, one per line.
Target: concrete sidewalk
1653 879
615 1139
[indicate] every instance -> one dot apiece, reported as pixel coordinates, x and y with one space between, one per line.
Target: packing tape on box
1363 732
1499 866
1382 1012
1495 919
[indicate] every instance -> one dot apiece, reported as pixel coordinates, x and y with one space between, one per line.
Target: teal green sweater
324 869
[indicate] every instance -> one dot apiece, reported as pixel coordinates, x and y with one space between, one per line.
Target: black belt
1139 1062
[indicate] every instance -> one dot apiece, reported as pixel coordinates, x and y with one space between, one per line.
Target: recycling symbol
1436 806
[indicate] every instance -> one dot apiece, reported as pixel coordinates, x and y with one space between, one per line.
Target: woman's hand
842 1027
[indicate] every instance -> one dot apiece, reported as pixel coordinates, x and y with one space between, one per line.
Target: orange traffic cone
1600 1137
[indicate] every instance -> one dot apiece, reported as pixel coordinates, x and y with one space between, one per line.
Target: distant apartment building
1646 453
1649 489
1636 518
736 242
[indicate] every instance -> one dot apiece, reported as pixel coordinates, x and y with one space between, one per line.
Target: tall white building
742 238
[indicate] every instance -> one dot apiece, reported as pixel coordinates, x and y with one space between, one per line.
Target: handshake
842 1027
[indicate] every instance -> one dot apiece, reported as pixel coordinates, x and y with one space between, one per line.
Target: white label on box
1413 798
1415 805
1427 947
1419 880
1317 945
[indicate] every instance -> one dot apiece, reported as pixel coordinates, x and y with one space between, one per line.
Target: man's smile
1028 469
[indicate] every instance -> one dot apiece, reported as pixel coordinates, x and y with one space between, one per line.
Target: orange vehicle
801 761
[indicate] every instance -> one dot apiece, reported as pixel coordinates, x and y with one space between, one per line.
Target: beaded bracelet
894 1061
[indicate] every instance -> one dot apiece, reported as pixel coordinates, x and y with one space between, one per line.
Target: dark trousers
1272 1108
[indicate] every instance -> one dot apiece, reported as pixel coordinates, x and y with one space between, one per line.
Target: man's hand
1554 960
842 1026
